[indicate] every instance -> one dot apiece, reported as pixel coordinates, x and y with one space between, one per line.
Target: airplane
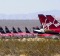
50 27
16 33
14 30
40 32
29 34
47 25
3 33
8 34
1 30
7 31
36 30
23 34
19 30
54 25
26 29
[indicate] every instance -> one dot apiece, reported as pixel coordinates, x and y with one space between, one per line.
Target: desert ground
30 47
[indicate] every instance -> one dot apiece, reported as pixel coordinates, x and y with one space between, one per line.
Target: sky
27 6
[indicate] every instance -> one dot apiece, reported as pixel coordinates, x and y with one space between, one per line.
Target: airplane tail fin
1 30
7 30
19 30
42 18
14 30
27 31
44 22
53 22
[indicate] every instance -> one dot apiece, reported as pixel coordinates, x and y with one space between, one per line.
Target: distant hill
30 16
52 12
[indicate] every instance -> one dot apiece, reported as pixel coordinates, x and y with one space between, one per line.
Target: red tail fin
42 18
55 24
43 21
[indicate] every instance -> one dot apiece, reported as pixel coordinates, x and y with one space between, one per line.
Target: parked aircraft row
50 26
14 33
